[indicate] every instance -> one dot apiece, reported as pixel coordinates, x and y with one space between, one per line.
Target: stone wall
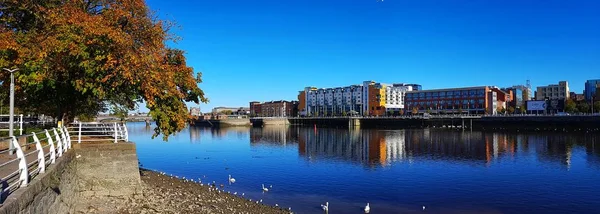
86 179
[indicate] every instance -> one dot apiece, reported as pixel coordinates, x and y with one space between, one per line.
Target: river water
396 171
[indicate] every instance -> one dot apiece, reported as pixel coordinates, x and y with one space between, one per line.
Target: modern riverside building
553 92
591 88
471 100
370 98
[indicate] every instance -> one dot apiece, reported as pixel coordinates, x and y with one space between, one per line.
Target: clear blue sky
269 50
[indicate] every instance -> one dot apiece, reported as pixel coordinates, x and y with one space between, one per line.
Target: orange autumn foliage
78 56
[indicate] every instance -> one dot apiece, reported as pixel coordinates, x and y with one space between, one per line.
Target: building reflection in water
277 135
374 148
377 148
196 133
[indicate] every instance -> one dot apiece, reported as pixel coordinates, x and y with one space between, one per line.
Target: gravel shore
164 194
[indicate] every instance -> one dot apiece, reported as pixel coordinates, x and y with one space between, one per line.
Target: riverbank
165 194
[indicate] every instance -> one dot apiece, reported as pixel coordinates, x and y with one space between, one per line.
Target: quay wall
585 123
83 180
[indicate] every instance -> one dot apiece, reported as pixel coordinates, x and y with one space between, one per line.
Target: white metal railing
97 131
36 151
33 153
20 122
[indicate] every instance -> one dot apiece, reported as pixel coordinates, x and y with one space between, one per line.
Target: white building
353 99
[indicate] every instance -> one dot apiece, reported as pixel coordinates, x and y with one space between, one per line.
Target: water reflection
278 135
382 147
196 133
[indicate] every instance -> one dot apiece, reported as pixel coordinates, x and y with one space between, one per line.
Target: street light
12 106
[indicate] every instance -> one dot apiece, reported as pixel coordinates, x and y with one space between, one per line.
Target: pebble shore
165 194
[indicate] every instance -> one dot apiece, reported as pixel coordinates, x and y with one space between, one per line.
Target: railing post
21 125
52 149
65 139
58 143
41 157
67 136
115 129
24 174
126 133
79 135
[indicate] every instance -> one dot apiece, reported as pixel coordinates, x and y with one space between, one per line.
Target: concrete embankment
90 178
222 123
532 123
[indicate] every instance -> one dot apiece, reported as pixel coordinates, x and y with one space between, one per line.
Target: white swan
231 180
325 207
367 208
264 188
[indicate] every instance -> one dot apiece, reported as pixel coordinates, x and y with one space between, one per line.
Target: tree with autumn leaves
77 57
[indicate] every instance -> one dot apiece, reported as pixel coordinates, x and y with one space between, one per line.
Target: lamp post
11 119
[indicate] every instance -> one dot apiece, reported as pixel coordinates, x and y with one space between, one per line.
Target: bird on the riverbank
276 205
243 194
367 208
231 180
325 207
235 193
423 207
290 208
264 189
260 200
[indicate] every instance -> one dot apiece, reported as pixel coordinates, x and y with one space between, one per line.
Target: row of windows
443 102
447 94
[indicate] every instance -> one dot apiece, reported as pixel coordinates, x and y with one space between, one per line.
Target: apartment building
471 100
558 91
370 98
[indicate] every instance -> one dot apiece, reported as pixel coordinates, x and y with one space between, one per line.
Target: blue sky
269 50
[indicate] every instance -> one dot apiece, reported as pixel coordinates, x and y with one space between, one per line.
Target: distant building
471 100
591 89
552 92
255 108
576 97
520 94
279 108
370 98
232 110
195 111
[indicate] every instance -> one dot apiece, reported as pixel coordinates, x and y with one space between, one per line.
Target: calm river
396 171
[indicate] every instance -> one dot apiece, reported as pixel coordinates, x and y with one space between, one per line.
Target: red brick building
279 108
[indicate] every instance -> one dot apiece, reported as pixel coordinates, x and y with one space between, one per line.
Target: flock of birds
231 180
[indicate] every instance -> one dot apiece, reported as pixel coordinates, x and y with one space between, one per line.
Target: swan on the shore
325 207
264 189
423 207
231 180
277 205
367 208
235 193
